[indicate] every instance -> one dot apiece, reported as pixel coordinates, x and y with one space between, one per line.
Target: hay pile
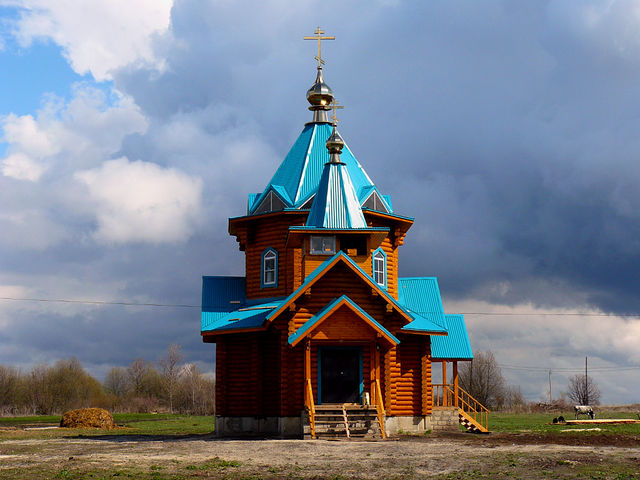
88 418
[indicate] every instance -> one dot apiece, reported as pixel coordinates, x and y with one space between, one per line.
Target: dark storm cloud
508 129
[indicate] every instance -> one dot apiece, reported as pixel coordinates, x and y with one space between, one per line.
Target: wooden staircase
472 415
346 420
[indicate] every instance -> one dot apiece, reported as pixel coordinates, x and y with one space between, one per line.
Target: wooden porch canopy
313 327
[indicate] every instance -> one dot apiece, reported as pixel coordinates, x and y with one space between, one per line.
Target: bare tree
138 371
117 382
483 380
9 389
171 371
583 391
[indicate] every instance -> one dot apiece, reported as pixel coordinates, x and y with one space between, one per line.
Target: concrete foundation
282 427
445 419
408 424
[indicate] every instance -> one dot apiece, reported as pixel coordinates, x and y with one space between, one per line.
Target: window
269 268
354 242
323 245
380 268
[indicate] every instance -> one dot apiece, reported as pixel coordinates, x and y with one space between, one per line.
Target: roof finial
335 143
319 95
335 106
319 37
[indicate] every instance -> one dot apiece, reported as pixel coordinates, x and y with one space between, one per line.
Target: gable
342 319
336 276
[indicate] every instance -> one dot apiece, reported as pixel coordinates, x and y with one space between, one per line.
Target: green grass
542 423
131 423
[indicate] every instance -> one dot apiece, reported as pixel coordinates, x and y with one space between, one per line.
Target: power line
186 305
567 369
548 314
99 302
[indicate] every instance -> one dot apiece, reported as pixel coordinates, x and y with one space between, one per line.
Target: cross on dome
335 106
319 37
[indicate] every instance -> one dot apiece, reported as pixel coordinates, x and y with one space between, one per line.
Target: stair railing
379 403
308 400
473 408
444 396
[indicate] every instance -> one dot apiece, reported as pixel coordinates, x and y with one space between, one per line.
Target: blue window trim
319 374
268 285
373 267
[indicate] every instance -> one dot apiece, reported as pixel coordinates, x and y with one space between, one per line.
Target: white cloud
97 36
526 336
79 134
21 167
143 202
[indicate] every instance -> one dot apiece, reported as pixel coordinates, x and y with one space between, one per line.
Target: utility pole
550 396
586 381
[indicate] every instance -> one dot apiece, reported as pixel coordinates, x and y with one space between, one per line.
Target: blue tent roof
455 346
336 204
300 172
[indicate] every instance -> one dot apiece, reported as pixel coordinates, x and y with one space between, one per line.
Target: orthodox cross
319 37
335 107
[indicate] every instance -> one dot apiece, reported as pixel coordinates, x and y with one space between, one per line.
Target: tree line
170 386
482 379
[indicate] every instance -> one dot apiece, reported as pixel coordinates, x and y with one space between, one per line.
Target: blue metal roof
308 325
455 346
225 305
223 294
300 172
336 204
244 318
421 296
423 325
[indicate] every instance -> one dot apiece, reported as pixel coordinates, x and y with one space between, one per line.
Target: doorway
340 375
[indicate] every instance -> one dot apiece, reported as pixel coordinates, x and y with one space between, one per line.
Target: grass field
185 425
542 423
129 423
173 447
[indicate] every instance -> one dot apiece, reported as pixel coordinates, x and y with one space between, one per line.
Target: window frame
269 254
322 251
379 255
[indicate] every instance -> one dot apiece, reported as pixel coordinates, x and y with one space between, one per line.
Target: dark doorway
340 374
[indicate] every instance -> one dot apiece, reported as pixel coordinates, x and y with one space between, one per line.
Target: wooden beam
307 371
444 382
455 383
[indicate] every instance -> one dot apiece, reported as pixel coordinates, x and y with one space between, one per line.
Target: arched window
269 268
380 268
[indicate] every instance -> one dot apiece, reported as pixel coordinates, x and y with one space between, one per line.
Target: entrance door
340 374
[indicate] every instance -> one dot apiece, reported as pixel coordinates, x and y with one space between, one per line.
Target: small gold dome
335 143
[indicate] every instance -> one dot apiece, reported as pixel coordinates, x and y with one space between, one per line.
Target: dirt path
431 456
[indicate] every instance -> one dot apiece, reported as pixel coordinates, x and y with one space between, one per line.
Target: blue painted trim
308 325
324 265
264 253
319 374
373 267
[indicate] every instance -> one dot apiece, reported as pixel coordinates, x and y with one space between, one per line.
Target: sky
131 130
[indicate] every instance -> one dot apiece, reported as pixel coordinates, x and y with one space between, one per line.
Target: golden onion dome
335 143
320 94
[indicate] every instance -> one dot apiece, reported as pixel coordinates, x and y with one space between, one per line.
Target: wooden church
321 335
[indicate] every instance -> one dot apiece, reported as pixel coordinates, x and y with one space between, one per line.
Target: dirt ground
432 456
